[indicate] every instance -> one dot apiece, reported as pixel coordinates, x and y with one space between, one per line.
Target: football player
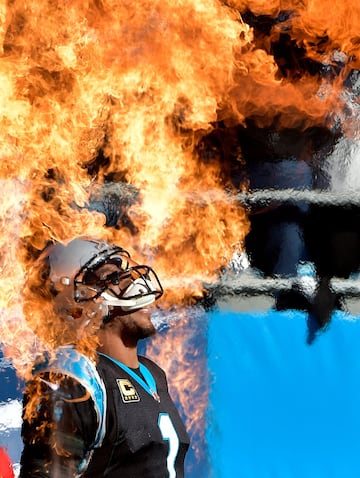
111 416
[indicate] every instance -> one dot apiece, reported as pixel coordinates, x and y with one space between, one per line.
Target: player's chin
142 318
146 331
139 323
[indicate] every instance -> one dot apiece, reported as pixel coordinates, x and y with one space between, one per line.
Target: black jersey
143 434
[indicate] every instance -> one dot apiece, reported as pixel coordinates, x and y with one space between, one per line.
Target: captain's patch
127 390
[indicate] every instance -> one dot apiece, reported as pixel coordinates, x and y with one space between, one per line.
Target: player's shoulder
68 370
154 368
149 362
66 361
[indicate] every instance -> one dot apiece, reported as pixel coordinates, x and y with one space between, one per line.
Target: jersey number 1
168 432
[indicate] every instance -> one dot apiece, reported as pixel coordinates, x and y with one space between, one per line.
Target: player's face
134 325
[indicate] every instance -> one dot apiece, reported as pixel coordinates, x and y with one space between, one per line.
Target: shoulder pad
68 361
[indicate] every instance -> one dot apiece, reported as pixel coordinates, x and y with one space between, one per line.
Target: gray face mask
140 293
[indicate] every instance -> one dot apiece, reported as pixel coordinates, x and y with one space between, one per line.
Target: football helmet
87 276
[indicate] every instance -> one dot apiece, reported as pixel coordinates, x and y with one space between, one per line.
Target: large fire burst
107 108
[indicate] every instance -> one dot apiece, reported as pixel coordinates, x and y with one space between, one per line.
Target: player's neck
111 344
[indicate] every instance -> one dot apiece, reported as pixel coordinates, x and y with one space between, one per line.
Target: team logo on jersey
127 390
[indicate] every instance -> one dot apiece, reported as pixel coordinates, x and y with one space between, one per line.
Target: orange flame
98 92
181 354
118 99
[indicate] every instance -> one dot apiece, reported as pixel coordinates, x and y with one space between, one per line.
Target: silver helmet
87 276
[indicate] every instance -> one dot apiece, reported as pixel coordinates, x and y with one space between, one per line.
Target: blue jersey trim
149 384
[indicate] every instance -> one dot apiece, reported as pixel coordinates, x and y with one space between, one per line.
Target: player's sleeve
59 426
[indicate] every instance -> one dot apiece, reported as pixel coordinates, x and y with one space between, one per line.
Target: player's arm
59 425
